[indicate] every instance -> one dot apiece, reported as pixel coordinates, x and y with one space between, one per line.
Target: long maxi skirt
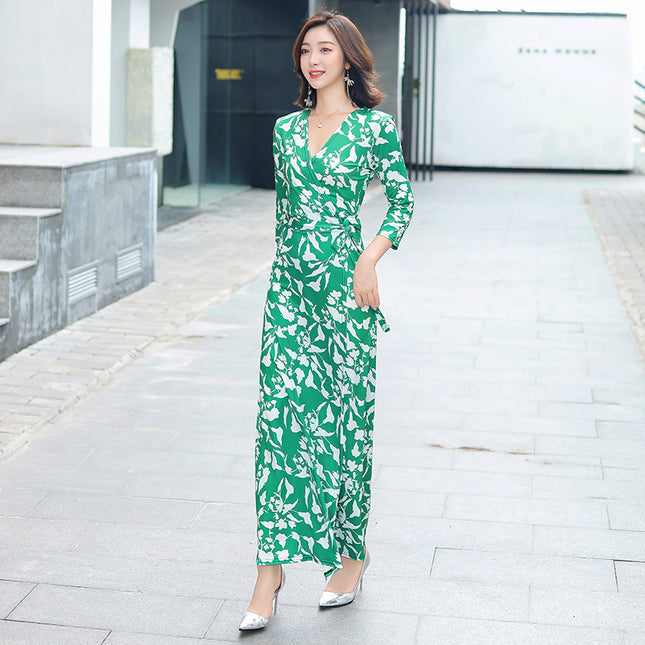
313 448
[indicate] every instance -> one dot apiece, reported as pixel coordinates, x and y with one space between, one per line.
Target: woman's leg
356 428
345 580
269 579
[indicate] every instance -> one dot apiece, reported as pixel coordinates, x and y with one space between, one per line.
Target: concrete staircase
22 244
77 231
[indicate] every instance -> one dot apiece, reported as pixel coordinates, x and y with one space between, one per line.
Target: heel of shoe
364 567
278 590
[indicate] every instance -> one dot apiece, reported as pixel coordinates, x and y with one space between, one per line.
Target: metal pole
426 20
434 74
417 130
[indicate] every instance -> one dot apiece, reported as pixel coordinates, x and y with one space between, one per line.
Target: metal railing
639 107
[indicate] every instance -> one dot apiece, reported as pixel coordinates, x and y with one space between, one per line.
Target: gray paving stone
205 488
75 569
120 638
113 509
18 501
595 411
535 425
538 464
626 472
41 534
155 461
213 580
488 536
389 420
565 488
625 460
155 543
524 510
242 467
621 430
589 542
630 576
292 625
620 397
462 598
633 637
456 439
407 560
56 454
588 608
523 569
590 447
457 631
453 481
574 392
230 518
407 502
629 516
11 594
398 455
118 610
14 475
479 375
24 633
70 431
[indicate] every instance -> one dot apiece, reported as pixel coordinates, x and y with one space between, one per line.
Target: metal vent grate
82 282
129 262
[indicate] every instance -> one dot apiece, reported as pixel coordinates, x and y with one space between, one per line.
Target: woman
313 450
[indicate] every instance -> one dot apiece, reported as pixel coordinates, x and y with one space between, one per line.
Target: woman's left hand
366 283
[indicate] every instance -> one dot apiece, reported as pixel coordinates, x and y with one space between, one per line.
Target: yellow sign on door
222 74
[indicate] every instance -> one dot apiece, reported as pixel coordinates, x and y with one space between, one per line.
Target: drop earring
348 83
308 102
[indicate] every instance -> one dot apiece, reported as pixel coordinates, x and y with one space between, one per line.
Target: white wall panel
46 72
534 91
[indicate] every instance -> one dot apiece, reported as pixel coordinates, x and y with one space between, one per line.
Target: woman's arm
365 281
390 167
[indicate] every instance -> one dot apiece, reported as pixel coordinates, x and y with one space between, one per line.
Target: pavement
509 444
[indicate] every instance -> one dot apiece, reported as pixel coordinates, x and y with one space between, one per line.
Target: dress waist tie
351 237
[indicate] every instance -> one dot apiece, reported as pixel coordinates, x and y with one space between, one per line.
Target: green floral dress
313 448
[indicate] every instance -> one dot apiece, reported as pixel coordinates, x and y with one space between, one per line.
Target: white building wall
46 72
162 20
499 105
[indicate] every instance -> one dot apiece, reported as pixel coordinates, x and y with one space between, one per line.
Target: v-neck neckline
331 136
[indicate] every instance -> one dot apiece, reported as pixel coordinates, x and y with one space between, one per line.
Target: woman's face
322 61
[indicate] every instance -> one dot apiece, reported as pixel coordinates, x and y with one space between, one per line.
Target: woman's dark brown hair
364 92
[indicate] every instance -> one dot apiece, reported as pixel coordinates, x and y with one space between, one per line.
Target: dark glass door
247 81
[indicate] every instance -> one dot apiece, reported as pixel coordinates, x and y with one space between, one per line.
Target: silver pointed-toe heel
251 620
331 599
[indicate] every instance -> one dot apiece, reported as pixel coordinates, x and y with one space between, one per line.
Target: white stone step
13 266
14 211
19 231
8 268
4 321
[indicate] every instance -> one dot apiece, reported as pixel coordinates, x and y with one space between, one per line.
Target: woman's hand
366 283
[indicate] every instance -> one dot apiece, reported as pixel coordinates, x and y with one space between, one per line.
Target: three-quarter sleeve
281 188
391 170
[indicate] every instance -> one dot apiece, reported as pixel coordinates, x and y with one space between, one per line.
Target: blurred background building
110 107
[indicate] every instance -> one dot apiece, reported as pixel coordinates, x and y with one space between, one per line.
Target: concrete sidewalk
508 482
